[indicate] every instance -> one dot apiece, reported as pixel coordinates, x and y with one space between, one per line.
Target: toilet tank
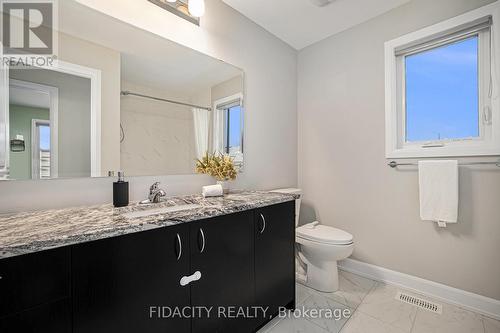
297 201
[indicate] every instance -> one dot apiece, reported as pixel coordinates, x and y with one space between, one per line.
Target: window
442 96
228 127
232 130
441 88
40 163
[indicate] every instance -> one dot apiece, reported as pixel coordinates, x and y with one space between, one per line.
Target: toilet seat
324 234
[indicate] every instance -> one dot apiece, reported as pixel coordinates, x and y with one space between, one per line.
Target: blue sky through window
235 126
44 137
442 95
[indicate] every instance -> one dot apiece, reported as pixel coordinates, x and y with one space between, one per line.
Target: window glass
232 124
44 137
44 153
442 92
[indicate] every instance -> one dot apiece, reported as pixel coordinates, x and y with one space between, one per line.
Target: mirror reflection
117 98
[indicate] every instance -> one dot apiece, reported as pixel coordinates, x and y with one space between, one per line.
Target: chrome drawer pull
188 279
180 247
263 223
202 240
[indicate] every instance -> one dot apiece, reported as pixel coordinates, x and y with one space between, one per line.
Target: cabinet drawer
33 279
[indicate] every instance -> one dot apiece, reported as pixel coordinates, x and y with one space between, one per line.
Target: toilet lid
324 234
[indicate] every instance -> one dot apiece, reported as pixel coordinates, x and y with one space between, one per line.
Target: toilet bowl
319 247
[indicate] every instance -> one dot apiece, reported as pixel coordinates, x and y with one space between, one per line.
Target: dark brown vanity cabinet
135 282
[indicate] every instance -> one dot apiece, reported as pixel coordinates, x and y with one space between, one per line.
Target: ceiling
28 97
301 23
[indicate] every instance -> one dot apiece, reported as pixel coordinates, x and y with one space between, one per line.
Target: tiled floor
374 309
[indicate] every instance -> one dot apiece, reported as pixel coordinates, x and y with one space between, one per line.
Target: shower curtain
218 134
201 120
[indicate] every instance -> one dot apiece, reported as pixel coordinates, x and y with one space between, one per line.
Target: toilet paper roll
212 191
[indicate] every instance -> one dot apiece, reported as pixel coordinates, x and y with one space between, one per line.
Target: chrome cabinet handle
263 223
180 247
202 240
188 279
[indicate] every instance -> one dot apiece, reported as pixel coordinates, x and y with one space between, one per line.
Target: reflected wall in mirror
118 98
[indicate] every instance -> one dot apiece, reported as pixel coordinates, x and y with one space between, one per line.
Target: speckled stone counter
23 233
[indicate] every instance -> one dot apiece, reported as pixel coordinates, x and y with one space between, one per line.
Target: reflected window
228 127
41 149
232 130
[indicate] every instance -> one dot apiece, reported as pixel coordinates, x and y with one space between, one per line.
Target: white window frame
488 142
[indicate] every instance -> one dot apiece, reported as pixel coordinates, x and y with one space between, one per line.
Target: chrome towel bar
394 164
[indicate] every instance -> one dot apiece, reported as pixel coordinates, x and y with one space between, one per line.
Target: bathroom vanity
102 269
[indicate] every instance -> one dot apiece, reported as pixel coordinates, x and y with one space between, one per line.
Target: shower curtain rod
129 93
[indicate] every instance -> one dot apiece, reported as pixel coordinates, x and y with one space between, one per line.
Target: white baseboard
484 305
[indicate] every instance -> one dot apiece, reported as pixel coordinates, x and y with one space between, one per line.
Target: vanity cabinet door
275 257
33 279
48 318
222 251
117 280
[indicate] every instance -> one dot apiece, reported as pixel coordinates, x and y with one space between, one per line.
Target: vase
225 185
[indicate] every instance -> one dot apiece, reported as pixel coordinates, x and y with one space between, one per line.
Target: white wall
345 176
271 97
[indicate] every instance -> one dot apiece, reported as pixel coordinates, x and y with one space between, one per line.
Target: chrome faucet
156 193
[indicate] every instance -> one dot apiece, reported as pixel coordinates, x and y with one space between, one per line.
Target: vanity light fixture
190 10
196 7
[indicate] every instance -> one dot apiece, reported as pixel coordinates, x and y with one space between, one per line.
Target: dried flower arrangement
217 165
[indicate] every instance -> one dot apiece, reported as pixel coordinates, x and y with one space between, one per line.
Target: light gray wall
73 120
271 107
343 171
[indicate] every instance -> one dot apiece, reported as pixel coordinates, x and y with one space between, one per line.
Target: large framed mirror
118 98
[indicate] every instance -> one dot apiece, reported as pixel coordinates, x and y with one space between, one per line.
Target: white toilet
319 247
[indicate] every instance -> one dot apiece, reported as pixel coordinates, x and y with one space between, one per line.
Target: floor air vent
420 302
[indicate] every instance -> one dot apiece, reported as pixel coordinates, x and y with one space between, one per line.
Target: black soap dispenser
120 191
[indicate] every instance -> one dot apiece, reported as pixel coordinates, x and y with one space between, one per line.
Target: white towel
438 181
212 191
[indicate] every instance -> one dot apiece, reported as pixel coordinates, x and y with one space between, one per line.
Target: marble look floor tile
452 320
491 325
352 289
381 304
291 325
332 315
363 323
270 325
301 293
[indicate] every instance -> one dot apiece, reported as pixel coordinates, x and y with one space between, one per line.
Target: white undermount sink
163 210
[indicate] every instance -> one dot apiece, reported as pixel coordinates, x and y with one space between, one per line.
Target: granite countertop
23 233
